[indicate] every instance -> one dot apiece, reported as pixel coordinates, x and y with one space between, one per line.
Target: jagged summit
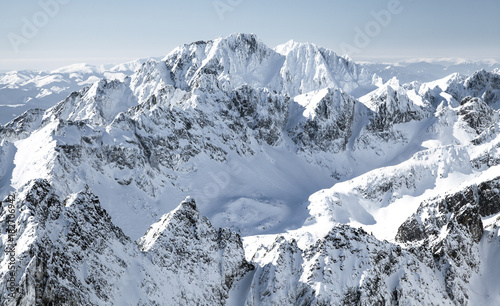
184 217
292 45
188 203
308 67
233 61
233 39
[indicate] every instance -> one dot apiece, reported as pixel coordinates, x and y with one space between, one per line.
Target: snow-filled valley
231 173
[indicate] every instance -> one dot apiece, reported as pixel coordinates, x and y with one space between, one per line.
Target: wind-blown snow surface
345 190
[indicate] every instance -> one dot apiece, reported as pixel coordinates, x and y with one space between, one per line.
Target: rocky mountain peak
485 85
225 62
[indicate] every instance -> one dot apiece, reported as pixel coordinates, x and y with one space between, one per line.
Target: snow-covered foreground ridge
321 185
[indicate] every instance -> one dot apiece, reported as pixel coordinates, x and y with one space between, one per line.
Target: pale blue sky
107 31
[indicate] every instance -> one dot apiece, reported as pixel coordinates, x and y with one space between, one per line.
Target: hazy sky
47 34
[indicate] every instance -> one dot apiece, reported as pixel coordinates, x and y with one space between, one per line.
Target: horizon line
114 61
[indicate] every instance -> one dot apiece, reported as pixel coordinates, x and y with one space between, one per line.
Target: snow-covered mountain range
23 90
303 178
426 70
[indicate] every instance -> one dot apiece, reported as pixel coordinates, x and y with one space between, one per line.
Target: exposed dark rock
476 113
456 253
489 197
331 127
22 126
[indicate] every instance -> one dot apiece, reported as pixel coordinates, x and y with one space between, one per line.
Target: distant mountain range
426 70
23 90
